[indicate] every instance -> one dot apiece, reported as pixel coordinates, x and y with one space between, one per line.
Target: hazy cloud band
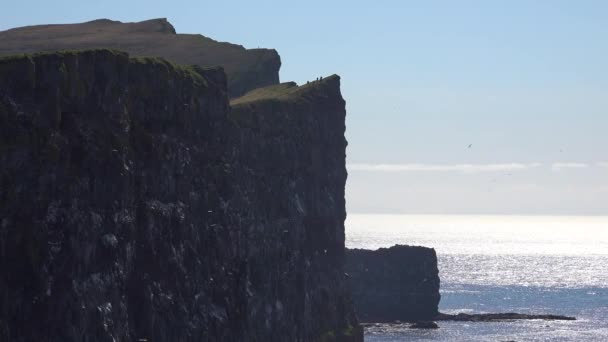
562 166
465 168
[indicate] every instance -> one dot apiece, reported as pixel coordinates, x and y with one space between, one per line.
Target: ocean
525 264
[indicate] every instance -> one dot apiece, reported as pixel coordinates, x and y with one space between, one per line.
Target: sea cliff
136 205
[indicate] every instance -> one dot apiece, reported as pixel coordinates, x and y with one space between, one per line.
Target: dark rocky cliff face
400 283
134 204
247 69
278 127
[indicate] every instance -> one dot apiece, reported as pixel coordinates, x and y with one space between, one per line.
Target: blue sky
524 82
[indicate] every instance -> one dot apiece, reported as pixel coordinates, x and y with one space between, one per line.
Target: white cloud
602 164
561 166
465 168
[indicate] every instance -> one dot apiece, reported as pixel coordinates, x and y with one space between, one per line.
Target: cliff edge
247 69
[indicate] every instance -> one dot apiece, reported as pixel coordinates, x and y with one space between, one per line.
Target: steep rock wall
247 69
132 207
400 283
294 146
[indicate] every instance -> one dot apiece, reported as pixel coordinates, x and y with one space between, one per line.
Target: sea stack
400 283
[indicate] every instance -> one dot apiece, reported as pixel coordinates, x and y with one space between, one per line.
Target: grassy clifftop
287 103
9 63
288 91
246 69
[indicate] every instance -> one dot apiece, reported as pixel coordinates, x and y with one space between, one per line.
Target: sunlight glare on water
527 264
497 250
462 234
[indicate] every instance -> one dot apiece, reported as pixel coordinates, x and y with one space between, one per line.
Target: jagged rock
109 241
247 69
424 325
135 205
400 283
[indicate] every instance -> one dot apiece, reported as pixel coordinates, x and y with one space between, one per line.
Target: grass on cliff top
12 58
191 71
279 100
284 91
60 53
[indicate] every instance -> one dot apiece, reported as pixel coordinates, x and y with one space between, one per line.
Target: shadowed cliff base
247 69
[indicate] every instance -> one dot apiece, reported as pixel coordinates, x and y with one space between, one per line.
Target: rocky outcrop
424 325
136 205
400 283
247 69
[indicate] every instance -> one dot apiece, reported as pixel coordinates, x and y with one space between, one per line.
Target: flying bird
470 145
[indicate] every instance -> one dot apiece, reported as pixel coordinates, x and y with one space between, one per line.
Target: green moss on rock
191 72
284 101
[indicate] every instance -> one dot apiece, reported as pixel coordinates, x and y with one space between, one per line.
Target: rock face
292 143
247 69
400 283
136 205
